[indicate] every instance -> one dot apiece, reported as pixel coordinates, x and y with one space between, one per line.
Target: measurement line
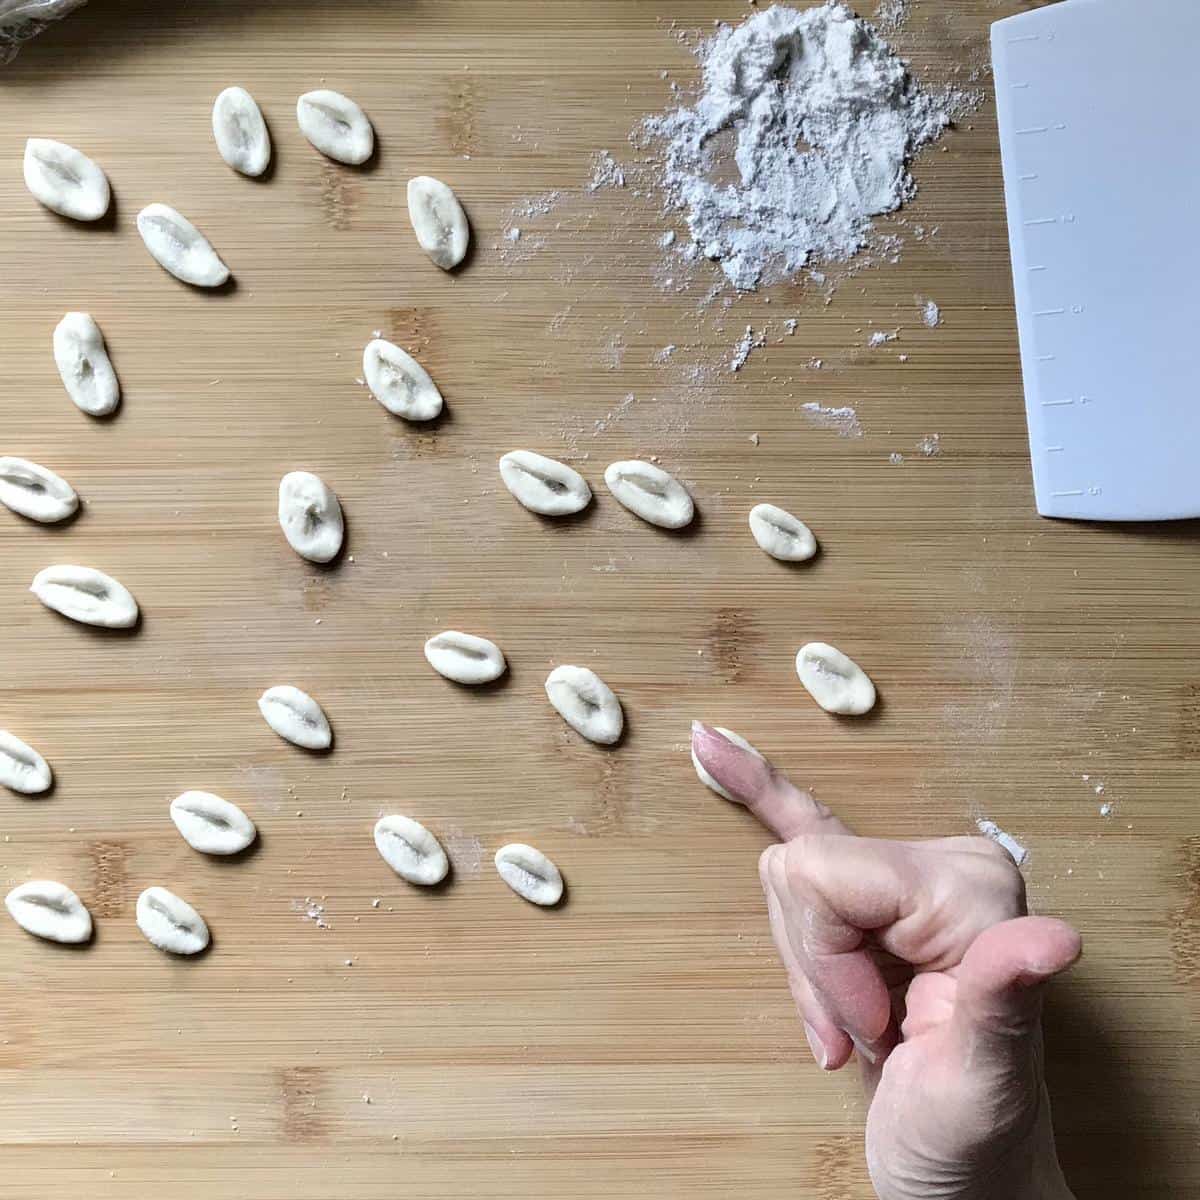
1027 178
1029 37
1043 221
1040 268
1056 403
1034 129
1079 492
1055 449
1020 86
1050 312
1046 358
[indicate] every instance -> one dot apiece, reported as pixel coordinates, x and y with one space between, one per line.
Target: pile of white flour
823 119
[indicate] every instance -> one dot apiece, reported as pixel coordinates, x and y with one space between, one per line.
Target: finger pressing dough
837 683
705 777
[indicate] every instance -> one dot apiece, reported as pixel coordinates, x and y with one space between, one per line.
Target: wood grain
641 1039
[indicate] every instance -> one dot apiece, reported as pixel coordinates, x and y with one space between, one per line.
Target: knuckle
1003 878
803 857
993 852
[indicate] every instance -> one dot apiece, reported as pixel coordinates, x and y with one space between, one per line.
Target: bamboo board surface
640 1040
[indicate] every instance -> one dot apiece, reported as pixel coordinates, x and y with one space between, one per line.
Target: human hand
919 955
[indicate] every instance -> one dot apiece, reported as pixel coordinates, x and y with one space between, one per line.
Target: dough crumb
991 830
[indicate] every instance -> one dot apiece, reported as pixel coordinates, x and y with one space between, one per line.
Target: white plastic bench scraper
1098 133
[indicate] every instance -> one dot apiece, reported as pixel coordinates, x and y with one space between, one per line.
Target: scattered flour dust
931 314
824 118
747 344
990 829
312 910
844 419
606 172
891 14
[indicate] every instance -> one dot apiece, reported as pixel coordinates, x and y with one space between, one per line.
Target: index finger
781 806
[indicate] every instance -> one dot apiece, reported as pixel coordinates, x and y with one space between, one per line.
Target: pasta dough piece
22 768
650 493
310 517
530 874
179 247
544 485
240 132
35 491
50 910
296 717
336 126
211 824
411 850
586 703
465 658
170 923
438 221
837 683
83 363
86 595
781 535
399 382
65 180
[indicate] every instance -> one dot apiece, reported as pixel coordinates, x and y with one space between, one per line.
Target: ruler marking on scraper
1106 303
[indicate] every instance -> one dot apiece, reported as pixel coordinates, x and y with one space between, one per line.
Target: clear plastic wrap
21 19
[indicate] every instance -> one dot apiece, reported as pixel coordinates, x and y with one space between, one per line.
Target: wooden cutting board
640 1040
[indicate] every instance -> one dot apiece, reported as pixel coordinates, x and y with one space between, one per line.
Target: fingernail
864 1050
817 1047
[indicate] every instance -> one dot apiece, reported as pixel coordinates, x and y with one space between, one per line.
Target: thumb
1001 984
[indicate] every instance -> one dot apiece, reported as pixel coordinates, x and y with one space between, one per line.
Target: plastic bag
21 19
